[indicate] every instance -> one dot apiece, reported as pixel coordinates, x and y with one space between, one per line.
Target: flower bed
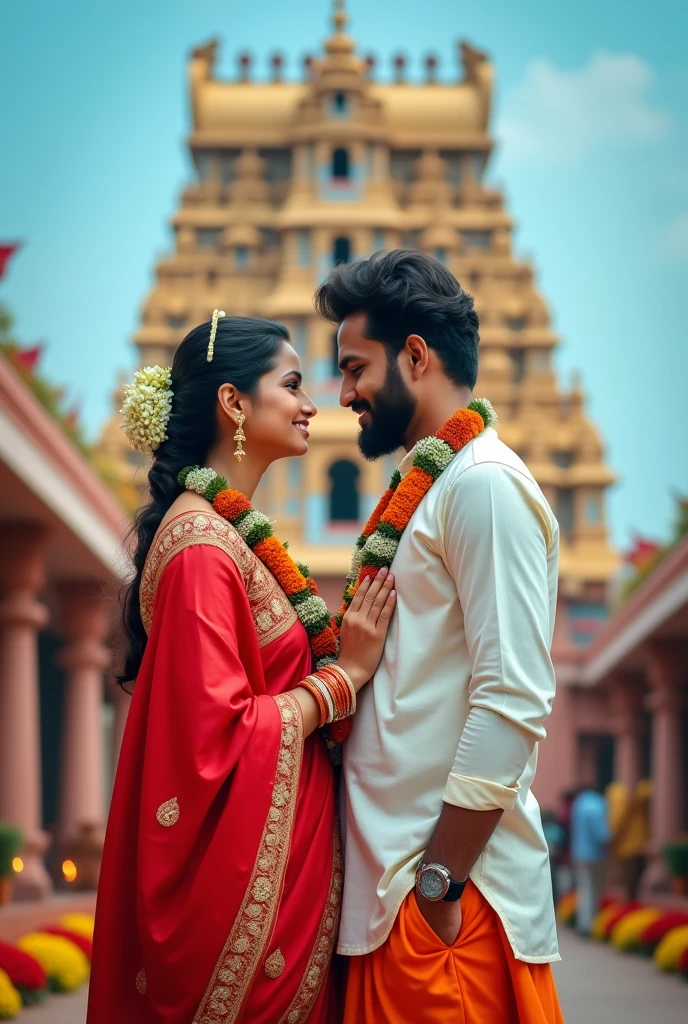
670 950
56 959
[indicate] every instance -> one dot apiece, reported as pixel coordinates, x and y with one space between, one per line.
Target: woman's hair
406 292
246 348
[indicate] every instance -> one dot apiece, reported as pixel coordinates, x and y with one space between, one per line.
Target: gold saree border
323 947
245 948
272 613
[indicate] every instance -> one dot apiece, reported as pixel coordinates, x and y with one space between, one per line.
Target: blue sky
592 127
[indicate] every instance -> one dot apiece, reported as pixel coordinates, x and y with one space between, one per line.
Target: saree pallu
220 884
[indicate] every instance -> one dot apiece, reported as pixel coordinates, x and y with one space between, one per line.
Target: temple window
518 361
378 240
563 459
340 164
477 239
565 509
452 160
277 164
516 323
304 248
593 510
340 105
401 163
344 498
227 166
341 251
176 322
203 164
241 257
208 238
336 372
299 340
440 255
411 240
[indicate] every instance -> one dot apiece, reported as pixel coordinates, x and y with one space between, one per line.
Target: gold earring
239 437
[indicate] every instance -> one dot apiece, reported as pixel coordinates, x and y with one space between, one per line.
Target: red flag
642 552
28 358
6 251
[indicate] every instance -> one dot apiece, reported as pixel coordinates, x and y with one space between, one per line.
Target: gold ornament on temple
217 315
240 437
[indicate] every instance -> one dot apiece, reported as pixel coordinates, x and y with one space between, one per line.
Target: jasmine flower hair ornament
147 407
217 314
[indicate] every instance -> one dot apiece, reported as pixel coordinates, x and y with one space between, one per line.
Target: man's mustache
359 407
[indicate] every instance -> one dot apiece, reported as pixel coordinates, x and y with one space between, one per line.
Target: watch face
432 884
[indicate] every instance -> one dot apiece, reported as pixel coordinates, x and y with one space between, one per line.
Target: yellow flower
626 934
82 924
566 907
64 963
668 952
599 925
10 1000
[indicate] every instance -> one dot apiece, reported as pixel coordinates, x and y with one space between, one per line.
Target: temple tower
292 177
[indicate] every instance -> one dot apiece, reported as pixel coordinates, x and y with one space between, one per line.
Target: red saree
220 884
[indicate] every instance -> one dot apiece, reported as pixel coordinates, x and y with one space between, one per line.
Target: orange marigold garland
293 577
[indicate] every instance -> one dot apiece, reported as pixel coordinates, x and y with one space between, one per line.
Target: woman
221 878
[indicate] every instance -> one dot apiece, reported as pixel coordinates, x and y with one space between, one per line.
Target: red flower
312 585
84 944
22 970
656 931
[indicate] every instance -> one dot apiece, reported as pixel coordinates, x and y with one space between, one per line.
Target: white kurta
476 575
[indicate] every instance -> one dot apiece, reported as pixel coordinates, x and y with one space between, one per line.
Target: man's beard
391 416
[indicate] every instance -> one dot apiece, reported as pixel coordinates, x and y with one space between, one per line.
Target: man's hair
406 292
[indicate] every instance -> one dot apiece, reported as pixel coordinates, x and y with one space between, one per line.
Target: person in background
590 837
629 822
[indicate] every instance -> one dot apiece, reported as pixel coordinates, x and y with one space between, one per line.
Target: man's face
373 387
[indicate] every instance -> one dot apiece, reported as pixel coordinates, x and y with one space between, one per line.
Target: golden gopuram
292 177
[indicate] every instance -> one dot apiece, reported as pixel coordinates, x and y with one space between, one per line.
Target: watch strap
454 891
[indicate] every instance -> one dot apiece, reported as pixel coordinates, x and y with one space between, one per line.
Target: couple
223 879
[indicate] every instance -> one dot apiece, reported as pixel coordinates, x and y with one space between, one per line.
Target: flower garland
293 577
378 543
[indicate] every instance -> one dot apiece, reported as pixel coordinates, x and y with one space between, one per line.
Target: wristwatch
436 883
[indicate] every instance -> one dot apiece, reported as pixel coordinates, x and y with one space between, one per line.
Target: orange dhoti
413 978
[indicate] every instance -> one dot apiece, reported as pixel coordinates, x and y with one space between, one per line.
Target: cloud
558 116
675 240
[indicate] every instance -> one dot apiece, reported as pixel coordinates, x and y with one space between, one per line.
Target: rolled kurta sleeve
497 531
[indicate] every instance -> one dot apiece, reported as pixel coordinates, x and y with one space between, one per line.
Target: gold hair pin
217 314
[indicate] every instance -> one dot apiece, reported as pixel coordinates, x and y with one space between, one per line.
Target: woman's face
277 417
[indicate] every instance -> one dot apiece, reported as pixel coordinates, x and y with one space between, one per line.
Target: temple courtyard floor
596 986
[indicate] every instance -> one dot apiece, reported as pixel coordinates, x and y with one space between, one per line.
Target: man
590 837
629 824
441 758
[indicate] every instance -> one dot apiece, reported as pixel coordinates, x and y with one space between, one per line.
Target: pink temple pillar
666 667
85 618
627 723
22 578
